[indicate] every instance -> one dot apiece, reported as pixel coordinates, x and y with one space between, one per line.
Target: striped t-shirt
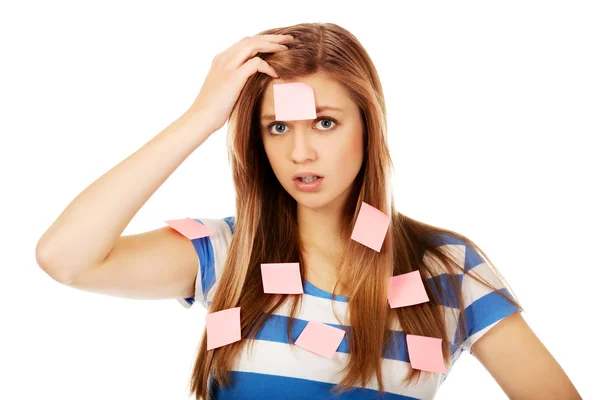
272 367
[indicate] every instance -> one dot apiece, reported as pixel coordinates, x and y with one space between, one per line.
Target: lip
305 174
308 187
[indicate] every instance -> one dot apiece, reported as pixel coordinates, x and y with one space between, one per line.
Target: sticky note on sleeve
223 327
370 227
320 338
294 101
281 278
190 228
425 353
406 290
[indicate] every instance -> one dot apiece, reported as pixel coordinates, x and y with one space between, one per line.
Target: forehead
327 92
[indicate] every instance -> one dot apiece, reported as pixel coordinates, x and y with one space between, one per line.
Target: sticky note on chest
320 338
223 327
190 228
425 353
281 278
406 290
370 227
294 101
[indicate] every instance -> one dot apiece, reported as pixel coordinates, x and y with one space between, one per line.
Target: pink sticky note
425 353
281 278
223 327
190 228
371 227
406 290
294 101
320 338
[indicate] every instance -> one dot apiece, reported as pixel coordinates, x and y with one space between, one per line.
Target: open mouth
308 179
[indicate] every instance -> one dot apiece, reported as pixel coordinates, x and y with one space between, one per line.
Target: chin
314 201
313 205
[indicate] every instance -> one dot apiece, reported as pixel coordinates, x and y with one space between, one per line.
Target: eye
279 125
329 120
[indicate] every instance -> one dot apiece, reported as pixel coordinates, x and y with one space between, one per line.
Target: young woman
277 220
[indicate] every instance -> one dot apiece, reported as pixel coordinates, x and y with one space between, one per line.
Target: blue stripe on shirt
231 222
486 310
206 254
275 330
251 385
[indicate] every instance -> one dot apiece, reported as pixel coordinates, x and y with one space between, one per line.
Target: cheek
269 150
350 154
274 156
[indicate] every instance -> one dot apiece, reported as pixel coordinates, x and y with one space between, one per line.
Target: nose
302 148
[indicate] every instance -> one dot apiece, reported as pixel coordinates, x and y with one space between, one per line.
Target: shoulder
212 252
221 235
463 253
224 225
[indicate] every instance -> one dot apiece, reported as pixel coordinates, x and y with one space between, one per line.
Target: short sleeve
484 307
212 252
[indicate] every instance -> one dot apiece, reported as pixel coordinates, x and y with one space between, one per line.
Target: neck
319 229
319 233
322 248
320 236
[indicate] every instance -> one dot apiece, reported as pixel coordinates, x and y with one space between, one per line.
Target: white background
493 127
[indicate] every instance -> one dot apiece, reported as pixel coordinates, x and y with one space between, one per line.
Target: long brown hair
266 214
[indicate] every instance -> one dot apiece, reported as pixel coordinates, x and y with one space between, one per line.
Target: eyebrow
318 110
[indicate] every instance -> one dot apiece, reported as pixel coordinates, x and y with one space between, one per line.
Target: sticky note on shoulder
406 290
190 228
281 278
425 353
320 338
223 328
294 101
370 227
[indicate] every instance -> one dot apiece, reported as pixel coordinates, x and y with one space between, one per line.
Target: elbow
44 261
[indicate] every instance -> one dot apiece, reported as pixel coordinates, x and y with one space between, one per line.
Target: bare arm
84 247
86 231
521 364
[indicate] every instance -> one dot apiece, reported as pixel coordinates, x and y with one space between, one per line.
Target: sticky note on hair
223 327
294 101
190 228
281 278
370 227
320 338
406 290
425 353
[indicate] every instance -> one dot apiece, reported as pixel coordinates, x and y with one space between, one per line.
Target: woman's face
330 146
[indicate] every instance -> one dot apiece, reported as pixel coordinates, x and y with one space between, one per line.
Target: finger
254 65
251 49
242 46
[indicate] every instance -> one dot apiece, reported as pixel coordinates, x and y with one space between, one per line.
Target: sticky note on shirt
370 227
223 327
320 338
425 353
281 278
190 228
294 101
406 290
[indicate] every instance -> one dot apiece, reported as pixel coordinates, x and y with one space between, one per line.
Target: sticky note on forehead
294 101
